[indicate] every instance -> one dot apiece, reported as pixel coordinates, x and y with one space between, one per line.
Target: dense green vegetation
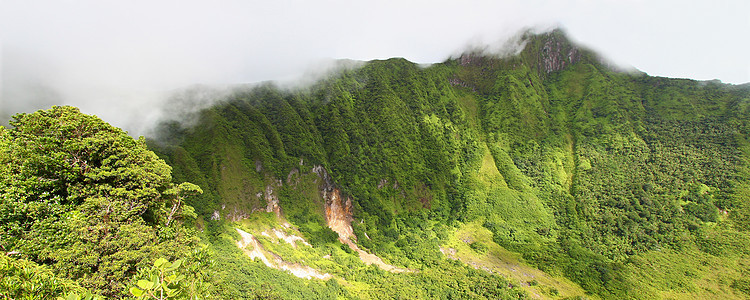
578 167
86 200
548 161
22 279
243 278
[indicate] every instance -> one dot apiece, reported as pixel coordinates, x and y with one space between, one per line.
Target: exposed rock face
293 177
272 202
249 239
276 262
470 59
337 209
338 212
323 174
237 214
558 53
289 238
383 182
339 217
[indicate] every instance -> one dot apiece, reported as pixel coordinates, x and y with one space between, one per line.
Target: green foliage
742 285
75 296
87 199
235 276
587 172
581 169
24 279
573 165
173 280
479 247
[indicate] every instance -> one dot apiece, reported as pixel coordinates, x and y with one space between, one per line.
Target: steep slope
583 170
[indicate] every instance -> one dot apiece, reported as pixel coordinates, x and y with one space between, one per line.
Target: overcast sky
119 59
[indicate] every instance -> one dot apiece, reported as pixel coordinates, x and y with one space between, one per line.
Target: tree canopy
87 199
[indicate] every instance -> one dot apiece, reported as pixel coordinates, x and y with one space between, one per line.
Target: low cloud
123 61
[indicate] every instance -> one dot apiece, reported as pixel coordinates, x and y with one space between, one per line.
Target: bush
479 247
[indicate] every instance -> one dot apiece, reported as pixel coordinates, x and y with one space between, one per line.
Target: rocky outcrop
338 209
293 177
252 248
272 202
338 213
290 239
558 52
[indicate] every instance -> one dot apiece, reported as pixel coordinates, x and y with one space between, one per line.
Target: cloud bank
123 60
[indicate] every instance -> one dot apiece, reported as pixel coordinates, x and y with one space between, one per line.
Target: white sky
118 59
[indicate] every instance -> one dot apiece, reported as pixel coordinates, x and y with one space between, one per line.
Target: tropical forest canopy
614 184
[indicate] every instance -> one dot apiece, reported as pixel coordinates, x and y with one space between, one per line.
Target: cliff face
338 210
557 53
339 217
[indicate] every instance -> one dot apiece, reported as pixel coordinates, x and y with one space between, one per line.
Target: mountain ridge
562 128
593 182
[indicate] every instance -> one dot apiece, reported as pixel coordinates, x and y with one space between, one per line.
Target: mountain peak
543 51
552 51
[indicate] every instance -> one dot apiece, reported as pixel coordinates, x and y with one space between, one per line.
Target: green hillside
543 174
584 171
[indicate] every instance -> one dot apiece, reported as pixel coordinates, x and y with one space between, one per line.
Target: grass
493 258
688 274
488 172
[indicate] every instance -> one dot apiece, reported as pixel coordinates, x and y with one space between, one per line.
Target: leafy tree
87 199
168 280
23 279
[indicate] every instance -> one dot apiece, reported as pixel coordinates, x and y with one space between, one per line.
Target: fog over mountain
121 61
